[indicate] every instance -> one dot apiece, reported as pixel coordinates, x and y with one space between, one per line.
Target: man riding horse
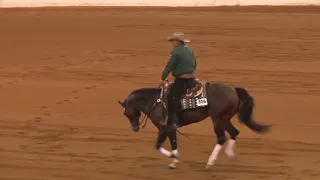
191 101
182 64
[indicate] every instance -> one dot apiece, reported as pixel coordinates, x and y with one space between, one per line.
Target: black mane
145 93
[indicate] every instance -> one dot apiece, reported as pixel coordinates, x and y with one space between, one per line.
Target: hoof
233 158
229 153
172 166
209 166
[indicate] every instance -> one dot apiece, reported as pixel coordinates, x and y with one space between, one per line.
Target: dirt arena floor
62 71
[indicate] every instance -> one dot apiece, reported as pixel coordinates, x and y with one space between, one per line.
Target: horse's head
140 100
131 112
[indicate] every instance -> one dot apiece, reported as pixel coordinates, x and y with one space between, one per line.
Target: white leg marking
214 155
176 160
230 148
175 152
165 152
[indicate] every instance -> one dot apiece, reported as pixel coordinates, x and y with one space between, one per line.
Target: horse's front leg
162 136
174 146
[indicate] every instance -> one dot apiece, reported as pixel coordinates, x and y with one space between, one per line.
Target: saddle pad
196 102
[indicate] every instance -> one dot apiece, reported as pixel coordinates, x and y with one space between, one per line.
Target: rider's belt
186 76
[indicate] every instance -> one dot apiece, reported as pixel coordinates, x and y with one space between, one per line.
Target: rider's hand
161 83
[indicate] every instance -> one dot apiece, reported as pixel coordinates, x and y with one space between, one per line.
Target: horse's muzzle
135 128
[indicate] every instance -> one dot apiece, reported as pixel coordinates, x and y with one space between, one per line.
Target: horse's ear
121 103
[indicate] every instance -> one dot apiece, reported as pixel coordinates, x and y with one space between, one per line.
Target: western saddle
195 91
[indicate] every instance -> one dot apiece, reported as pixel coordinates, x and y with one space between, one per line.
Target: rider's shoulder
175 50
178 49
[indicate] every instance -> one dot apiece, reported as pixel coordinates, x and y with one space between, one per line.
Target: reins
154 105
146 116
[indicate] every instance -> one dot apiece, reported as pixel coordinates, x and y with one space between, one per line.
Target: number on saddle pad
202 102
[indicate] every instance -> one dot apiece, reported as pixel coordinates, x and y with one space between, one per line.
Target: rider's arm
170 66
195 59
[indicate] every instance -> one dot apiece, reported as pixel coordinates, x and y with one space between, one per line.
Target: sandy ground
62 70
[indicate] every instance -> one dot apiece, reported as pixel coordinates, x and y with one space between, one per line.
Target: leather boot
164 123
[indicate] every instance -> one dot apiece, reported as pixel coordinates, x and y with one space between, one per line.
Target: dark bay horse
223 102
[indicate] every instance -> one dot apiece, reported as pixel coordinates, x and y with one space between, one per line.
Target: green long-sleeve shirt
182 61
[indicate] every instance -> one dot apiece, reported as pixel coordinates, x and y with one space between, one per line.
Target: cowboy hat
178 36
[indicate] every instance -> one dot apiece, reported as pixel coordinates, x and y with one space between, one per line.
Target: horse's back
222 95
221 89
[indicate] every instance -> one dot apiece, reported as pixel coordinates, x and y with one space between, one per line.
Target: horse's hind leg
231 143
221 139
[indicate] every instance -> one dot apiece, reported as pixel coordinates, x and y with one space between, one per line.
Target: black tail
245 112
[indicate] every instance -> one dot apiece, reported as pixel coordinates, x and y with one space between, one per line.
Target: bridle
160 100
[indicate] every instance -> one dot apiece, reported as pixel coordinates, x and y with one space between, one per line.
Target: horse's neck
149 103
